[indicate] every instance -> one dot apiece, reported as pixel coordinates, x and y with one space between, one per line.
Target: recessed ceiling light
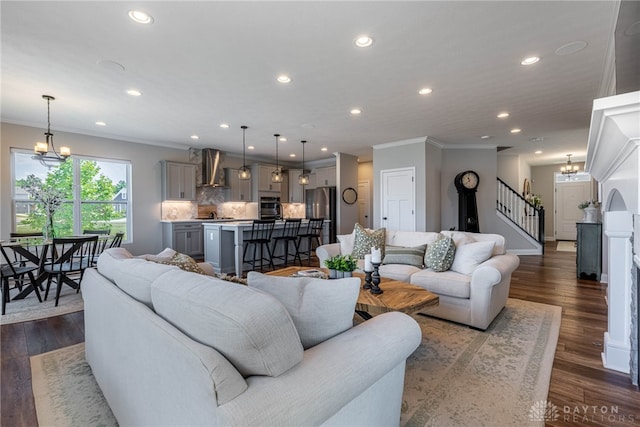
538 152
516 130
140 17
425 91
195 137
101 123
324 149
485 137
363 41
356 111
134 92
283 78
282 139
571 48
502 115
224 125
251 147
530 60
292 155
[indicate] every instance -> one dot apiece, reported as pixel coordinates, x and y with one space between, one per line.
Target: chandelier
303 179
569 169
41 149
244 173
276 175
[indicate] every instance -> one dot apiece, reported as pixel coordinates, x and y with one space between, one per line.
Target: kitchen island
224 243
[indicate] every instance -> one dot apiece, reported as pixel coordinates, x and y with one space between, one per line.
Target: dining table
35 250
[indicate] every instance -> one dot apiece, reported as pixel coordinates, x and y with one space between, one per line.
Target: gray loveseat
170 347
472 295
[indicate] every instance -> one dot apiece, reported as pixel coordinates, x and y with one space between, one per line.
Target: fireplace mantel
613 158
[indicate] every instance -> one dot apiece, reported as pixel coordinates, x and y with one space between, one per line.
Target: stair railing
520 211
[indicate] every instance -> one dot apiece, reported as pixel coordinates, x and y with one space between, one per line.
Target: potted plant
340 266
590 209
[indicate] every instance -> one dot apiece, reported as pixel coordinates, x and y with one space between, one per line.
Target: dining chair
261 232
10 270
313 234
101 231
71 257
117 240
289 235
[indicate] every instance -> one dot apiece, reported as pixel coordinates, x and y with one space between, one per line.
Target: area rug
30 309
464 377
566 247
458 376
65 391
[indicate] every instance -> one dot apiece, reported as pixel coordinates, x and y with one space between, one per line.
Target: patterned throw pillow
184 262
440 254
403 255
365 240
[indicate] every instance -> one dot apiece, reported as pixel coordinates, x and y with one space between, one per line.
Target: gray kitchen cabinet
184 237
296 191
239 190
261 176
326 176
178 181
589 250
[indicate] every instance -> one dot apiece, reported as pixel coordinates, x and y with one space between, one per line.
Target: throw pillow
365 240
250 328
184 262
440 254
346 242
403 255
165 255
320 308
471 255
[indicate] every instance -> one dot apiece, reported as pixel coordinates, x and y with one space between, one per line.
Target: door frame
412 171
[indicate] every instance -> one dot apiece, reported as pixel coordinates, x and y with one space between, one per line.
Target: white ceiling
203 63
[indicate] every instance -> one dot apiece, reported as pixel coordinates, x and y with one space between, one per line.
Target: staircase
526 217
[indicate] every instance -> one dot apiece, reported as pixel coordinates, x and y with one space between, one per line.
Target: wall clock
467 184
349 195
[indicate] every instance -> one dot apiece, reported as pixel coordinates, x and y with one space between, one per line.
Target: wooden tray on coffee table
396 296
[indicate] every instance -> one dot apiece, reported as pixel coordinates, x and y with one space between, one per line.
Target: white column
618 229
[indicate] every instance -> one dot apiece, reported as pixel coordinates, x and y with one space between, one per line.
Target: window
95 194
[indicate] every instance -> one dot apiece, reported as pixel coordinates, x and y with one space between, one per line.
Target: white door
569 194
364 204
398 199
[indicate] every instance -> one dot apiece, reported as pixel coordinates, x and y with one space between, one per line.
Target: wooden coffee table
397 295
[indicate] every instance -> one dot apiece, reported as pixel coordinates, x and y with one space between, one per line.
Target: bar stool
261 232
289 235
312 234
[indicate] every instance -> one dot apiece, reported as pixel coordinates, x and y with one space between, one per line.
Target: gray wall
347 176
145 175
427 160
484 163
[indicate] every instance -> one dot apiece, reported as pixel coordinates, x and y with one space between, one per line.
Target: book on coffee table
311 273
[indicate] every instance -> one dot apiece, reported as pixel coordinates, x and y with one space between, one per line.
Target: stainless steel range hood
212 171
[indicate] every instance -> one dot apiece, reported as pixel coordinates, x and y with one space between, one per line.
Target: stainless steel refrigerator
321 203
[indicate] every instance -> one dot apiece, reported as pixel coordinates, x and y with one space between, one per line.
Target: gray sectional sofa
472 292
171 347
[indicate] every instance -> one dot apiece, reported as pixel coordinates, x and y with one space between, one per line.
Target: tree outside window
94 193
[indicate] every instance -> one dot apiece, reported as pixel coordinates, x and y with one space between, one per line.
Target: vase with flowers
590 210
49 199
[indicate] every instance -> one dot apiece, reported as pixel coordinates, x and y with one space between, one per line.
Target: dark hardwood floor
586 393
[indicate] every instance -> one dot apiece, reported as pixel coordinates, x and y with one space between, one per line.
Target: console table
589 250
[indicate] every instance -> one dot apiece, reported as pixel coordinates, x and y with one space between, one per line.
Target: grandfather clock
467 184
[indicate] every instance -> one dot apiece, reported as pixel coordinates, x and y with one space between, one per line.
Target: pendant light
303 179
244 173
276 175
569 169
41 149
